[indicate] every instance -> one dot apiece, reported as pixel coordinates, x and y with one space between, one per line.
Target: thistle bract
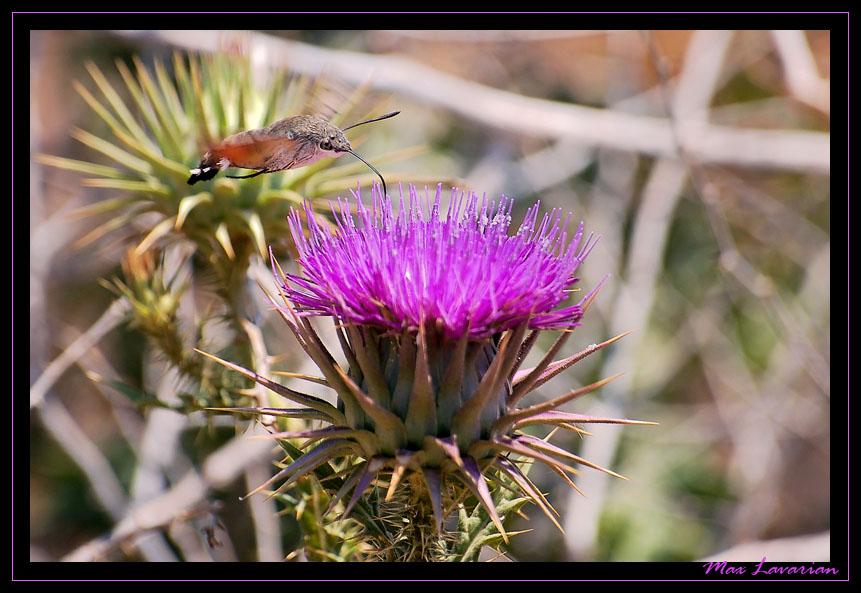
435 314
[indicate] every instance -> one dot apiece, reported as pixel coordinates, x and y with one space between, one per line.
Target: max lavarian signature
761 569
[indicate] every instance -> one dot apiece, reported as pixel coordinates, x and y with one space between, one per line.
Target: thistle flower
435 315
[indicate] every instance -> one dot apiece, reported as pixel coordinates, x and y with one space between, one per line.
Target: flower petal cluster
435 316
462 271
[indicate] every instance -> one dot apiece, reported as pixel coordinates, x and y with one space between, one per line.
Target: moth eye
326 145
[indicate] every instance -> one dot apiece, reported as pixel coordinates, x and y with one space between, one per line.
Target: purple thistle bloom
433 315
462 272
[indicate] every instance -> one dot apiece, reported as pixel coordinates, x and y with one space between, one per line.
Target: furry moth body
297 141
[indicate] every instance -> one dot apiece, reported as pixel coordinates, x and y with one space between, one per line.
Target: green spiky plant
153 125
435 316
160 120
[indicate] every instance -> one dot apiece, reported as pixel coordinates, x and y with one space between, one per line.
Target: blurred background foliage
719 255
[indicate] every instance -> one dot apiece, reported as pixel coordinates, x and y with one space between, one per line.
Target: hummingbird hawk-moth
290 143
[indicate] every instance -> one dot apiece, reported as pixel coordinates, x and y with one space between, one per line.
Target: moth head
334 142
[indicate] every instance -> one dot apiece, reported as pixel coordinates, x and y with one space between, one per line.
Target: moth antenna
361 123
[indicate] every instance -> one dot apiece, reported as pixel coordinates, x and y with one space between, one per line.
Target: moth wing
255 151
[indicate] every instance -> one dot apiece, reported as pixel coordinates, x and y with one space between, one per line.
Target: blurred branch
761 286
789 149
261 366
74 442
805 548
219 469
755 432
731 261
264 516
267 532
800 71
506 36
111 318
651 227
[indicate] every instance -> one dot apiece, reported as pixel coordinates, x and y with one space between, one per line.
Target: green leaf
283 194
111 225
166 103
112 151
255 227
119 106
177 117
141 399
277 89
170 138
157 232
79 166
184 85
187 204
144 187
223 237
143 104
103 206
